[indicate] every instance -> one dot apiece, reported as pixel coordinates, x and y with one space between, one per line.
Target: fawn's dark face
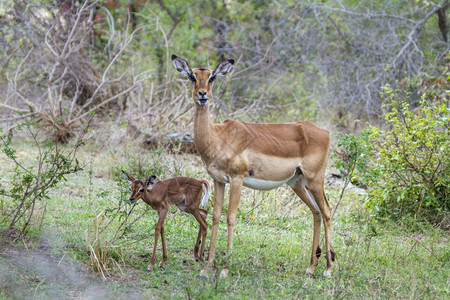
138 187
137 190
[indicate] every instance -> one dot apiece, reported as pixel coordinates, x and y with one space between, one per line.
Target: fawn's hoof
224 273
201 277
203 274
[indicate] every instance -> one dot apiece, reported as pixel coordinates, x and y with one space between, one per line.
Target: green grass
272 242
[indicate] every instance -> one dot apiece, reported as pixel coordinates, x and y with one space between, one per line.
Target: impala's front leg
235 196
219 189
163 241
159 225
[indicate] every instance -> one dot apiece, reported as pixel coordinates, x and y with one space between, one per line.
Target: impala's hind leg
319 194
201 234
301 190
204 214
197 244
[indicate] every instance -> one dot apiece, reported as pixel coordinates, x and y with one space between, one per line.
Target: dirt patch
38 273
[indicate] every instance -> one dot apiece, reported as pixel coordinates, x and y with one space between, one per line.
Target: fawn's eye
141 190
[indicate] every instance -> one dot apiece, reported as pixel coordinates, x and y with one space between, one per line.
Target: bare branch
412 36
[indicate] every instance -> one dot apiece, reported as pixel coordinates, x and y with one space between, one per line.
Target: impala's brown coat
185 193
234 151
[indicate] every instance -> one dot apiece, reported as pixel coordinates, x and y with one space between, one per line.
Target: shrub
408 163
411 158
29 183
351 158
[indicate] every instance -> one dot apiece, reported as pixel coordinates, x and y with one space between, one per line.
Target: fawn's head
138 187
202 78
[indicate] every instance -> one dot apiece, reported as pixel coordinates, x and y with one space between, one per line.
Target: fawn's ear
129 177
222 69
150 180
182 66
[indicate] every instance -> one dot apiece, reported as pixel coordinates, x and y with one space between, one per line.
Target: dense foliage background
324 61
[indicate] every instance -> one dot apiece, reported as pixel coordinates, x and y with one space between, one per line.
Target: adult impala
259 156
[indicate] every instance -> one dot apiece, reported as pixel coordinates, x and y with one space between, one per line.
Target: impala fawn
185 193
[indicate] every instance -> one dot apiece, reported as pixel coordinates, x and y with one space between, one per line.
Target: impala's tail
206 196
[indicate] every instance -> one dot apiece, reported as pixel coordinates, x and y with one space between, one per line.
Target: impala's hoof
203 274
327 273
309 271
149 270
224 273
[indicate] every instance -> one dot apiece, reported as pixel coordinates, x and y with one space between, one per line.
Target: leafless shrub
51 70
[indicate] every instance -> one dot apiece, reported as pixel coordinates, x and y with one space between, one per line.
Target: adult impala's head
202 78
138 187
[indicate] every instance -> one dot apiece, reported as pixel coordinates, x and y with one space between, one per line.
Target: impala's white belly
264 185
261 184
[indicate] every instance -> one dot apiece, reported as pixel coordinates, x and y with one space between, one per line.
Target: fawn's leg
197 244
159 225
203 213
202 230
163 240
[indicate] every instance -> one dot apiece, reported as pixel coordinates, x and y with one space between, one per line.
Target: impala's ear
182 66
129 177
222 69
150 180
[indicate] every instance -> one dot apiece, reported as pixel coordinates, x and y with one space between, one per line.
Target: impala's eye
141 190
131 189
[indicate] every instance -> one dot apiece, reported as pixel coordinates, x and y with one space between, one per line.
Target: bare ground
33 271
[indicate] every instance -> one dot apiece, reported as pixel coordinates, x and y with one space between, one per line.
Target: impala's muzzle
132 198
202 98
202 102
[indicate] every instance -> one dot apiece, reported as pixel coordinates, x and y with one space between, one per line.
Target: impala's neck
147 196
202 128
152 201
